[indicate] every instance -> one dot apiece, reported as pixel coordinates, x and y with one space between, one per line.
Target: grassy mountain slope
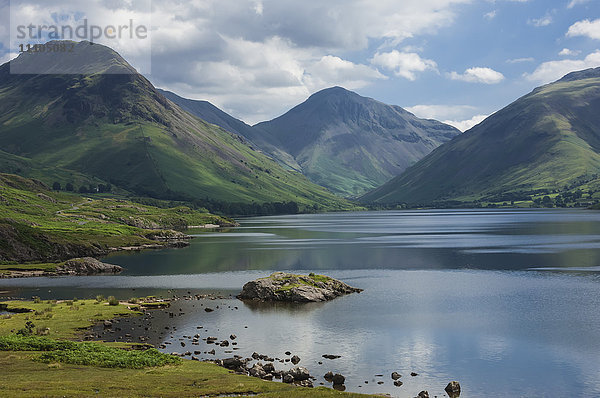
259 139
13 164
37 224
351 144
119 128
548 140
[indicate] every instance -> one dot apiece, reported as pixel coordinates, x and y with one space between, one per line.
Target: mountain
112 124
210 113
546 141
351 144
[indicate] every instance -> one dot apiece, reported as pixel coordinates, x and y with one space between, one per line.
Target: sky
457 61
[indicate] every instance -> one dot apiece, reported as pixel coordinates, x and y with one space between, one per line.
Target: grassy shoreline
39 226
62 321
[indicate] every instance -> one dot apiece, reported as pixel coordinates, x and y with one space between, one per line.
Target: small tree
83 189
56 186
69 187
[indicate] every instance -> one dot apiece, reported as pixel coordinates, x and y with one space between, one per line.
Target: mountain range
111 125
340 140
118 128
546 141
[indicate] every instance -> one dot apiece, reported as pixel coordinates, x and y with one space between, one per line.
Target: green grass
30 378
51 366
292 281
64 320
87 353
41 226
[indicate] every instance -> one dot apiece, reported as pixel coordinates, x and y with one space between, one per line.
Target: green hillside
351 144
546 142
37 224
118 128
258 138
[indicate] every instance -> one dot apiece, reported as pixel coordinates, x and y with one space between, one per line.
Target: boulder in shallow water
281 286
299 373
453 389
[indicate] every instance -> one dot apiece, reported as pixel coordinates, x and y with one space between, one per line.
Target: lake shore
186 379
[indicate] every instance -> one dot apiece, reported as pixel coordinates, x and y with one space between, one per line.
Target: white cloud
459 116
7 57
478 75
554 70
255 58
440 112
334 71
404 64
586 27
490 15
464 125
258 7
565 52
520 60
573 3
539 22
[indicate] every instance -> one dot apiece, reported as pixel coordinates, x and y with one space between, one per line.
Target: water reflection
386 240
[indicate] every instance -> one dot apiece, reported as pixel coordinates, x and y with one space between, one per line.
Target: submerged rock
281 286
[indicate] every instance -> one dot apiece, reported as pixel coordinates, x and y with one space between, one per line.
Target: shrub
27 330
87 354
113 301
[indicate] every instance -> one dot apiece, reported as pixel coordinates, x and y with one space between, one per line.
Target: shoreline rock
281 286
87 266
75 266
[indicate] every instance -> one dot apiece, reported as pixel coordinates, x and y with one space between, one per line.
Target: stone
295 359
299 373
413 374
281 286
304 383
232 363
398 383
423 394
257 371
453 389
288 378
338 379
87 266
328 376
396 375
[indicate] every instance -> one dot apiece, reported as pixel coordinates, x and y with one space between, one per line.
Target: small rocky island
281 286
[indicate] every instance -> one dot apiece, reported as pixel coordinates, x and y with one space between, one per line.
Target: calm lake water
506 302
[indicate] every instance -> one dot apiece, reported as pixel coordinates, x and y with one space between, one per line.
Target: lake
507 302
